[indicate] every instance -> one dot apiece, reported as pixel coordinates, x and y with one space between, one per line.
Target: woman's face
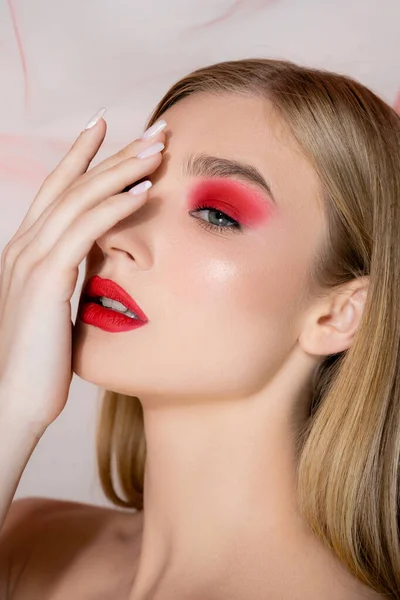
224 307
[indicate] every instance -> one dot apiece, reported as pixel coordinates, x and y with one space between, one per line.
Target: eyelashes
236 227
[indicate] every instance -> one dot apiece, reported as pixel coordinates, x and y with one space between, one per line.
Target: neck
219 495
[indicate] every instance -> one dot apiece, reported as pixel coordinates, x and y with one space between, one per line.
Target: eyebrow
205 165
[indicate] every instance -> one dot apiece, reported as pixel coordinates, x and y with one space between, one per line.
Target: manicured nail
140 187
153 149
95 119
154 129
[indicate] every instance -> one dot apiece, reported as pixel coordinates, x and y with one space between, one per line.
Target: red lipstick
234 198
93 313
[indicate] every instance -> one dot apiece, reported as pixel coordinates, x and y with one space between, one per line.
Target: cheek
228 311
221 288
249 282
256 285
201 279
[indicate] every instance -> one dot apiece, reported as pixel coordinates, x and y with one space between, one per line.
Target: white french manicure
154 129
153 149
96 118
140 187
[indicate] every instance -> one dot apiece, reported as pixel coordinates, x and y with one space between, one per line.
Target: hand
40 268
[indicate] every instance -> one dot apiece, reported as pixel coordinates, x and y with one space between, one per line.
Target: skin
224 365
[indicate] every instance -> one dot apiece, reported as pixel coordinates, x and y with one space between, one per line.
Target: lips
97 286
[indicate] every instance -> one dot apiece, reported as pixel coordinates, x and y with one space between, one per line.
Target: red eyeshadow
234 198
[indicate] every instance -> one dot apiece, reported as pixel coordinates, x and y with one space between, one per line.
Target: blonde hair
349 451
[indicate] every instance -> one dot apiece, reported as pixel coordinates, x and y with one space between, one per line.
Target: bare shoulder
22 511
27 514
43 538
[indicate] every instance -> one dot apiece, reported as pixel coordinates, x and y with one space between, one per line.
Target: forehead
235 122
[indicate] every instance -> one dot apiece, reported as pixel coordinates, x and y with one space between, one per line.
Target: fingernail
140 187
153 149
96 118
154 129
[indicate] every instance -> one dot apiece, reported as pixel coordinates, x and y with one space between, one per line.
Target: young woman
251 412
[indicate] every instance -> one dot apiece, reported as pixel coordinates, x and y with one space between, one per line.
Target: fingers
69 192
70 173
21 240
60 266
82 199
154 134
130 150
74 164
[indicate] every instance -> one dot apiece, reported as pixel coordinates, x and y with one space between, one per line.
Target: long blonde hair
349 452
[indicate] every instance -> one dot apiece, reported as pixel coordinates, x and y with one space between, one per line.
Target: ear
331 324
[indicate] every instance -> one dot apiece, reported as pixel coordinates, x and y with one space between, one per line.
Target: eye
220 216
